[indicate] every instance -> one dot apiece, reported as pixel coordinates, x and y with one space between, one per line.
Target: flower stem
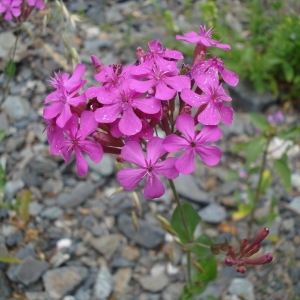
5 90
257 191
184 221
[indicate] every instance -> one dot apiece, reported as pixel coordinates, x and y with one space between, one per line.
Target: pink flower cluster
125 112
244 255
14 9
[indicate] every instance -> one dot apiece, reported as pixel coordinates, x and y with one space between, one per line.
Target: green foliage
193 220
9 259
10 69
268 55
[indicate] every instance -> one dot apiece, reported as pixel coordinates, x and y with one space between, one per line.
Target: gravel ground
79 242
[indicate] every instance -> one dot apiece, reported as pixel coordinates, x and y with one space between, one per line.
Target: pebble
122 278
17 108
20 272
148 235
52 213
60 281
80 194
106 245
188 188
5 289
242 287
213 213
154 283
295 205
103 285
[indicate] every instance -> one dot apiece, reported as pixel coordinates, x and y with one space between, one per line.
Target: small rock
31 295
35 208
80 194
12 187
295 178
52 213
5 290
121 279
105 167
106 245
36 267
131 252
16 107
295 205
173 291
91 224
59 282
59 258
188 188
148 235
103 285
243 288
213 213
154 284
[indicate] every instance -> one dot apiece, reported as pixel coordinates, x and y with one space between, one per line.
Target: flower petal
129 178
133 153
92 149
130 123
153 187
210 115
155 150
108 114
81 163
185 163
185 124
210 155
209 134
167 168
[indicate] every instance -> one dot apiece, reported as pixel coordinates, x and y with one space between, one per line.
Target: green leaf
290 134
208 270
255 148
192 220
243 211
283 170
288 71
259 120
2 135
198 248
10 69
265 181
9 259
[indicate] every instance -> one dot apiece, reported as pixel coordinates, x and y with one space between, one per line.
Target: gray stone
242 287
80 194
17 108
295 178
59 282
188 188
173 291
295 205
83 294
106 245
213 213
105 167
154 283
247 100
91 224
3 122
147 235
36 267
31 295
35 208
14 239
52 213
228 188
103 285
5 290
42 165
12 187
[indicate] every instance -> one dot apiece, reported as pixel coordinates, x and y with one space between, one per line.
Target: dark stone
148 235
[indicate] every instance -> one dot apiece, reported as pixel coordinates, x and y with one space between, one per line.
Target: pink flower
211 67
193 143
202 38
159 78
77 139
12 8
65 96
212 108
38 3
125 102
55 136
241 258
148 167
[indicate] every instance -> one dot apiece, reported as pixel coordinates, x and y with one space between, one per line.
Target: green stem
257 191
6 88
184 221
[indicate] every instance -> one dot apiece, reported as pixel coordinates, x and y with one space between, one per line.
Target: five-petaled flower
192 144
76 138
149 167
